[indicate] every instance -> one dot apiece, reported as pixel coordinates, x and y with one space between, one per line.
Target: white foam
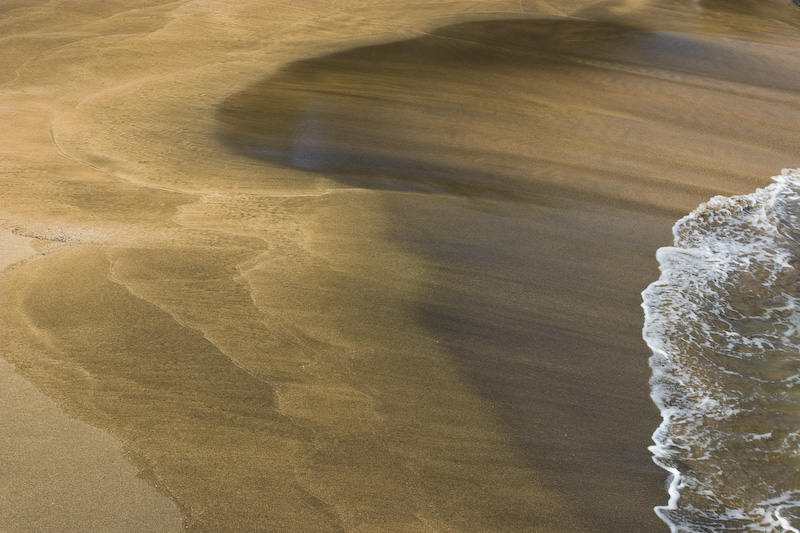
723 325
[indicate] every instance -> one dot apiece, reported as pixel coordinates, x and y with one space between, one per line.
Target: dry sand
311 280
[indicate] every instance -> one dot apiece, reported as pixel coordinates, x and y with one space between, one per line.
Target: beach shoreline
377 265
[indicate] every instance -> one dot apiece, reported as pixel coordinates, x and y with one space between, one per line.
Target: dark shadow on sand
540 308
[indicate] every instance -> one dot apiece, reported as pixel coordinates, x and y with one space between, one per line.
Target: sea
723 324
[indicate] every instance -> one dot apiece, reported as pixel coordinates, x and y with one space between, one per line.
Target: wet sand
371 267
60 474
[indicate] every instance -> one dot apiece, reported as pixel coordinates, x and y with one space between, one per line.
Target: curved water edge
723 324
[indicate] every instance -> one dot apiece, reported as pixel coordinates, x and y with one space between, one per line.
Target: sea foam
723 324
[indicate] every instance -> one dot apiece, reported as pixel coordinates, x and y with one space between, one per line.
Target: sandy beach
357 266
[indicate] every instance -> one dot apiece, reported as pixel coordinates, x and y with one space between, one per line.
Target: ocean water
723 324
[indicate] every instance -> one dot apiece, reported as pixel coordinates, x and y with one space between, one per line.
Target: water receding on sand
491 221
340 270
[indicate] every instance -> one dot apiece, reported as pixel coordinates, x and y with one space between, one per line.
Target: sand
60 474
361 266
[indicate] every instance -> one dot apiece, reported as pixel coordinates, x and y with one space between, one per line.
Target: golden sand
362 266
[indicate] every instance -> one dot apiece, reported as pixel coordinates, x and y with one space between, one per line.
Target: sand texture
357 266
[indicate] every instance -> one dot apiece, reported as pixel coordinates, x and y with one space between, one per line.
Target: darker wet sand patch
528 109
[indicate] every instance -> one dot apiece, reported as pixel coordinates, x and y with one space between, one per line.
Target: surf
723 325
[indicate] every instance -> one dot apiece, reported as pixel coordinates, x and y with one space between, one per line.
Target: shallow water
723 324
358 115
